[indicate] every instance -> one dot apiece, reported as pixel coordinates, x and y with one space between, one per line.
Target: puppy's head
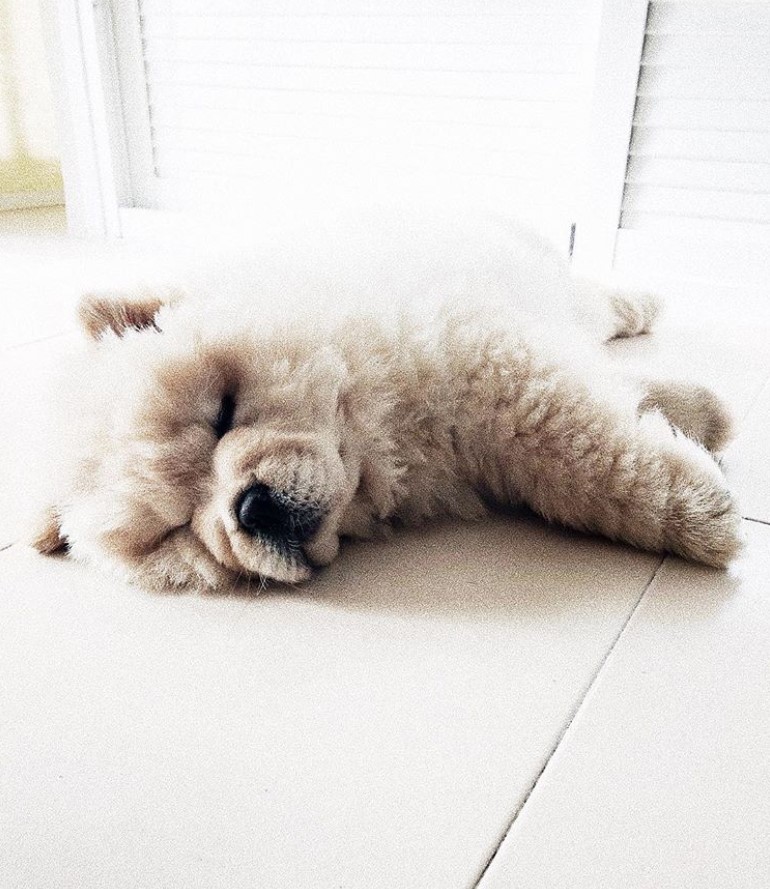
201 449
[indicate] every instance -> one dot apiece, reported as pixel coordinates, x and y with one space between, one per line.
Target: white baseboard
27 200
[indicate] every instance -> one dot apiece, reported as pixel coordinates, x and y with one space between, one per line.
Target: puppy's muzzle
279 515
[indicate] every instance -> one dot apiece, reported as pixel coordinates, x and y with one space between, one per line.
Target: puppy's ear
119 312
45 536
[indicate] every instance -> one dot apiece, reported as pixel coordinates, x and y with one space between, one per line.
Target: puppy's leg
592 466
694 409
613 312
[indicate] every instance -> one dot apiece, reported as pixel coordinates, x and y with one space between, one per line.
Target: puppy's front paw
183 565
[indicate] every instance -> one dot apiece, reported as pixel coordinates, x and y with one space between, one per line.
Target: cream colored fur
387 374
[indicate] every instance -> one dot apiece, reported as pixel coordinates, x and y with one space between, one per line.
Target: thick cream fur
388 374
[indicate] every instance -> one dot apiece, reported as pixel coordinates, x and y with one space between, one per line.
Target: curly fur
488 389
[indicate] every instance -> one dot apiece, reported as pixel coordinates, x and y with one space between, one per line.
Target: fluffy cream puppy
376 375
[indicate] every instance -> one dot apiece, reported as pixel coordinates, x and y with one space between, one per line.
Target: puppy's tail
614 312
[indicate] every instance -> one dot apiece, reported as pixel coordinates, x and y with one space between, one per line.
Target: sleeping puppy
382 375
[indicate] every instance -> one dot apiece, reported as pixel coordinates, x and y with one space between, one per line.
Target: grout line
765 384
758 521
568 725
43 339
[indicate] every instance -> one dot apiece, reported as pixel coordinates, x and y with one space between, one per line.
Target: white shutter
254 97
697 188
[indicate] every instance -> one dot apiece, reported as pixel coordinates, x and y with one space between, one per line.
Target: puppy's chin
285 568
268 561
286 562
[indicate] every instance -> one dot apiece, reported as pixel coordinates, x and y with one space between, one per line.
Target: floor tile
377 727
748 460
26 379
661 782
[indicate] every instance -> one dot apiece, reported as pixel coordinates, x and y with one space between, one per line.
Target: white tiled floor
376 729
662 779
748 464
389 724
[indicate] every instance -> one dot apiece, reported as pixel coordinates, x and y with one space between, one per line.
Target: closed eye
224 421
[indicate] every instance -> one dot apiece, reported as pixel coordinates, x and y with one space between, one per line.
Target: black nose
277 514
257 510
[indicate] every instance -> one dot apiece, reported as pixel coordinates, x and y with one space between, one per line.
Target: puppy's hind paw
635 311
704 524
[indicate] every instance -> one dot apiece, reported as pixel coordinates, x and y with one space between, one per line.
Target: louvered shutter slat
700 145
250 94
